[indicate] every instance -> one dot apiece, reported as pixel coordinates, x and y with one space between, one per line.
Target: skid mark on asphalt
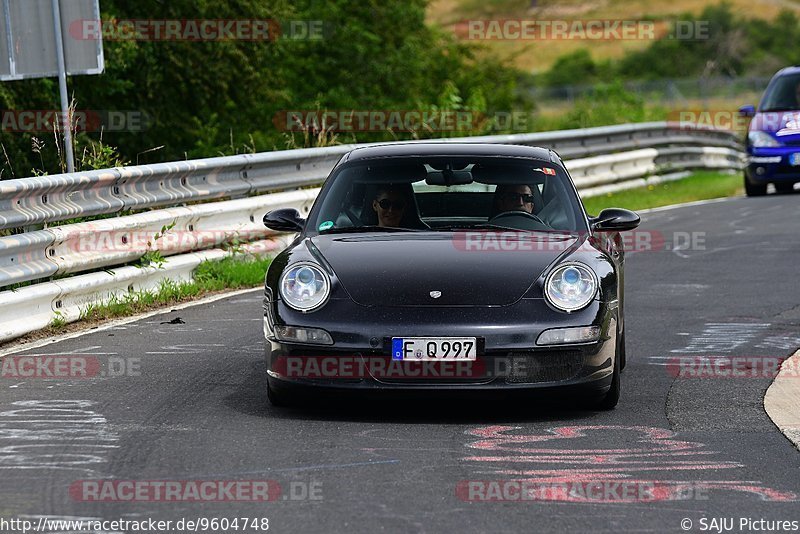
190 348
548 457
54 435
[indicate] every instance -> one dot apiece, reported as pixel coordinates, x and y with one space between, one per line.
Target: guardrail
48 199
599 159
614 172
102 243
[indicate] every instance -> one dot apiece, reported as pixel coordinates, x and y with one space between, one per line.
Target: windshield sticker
327 225
546 170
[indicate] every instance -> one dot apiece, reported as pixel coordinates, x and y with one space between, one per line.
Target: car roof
449 149
788 71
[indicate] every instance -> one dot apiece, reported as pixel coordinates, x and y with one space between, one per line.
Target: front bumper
769 165
508 357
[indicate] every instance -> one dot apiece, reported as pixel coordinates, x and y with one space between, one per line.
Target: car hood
467 268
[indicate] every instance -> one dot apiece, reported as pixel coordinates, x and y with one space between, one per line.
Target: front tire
611 399
754 190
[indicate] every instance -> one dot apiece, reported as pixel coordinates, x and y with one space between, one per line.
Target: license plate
794 159
426 349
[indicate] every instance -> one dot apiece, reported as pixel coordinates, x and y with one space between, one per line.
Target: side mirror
747 111
284 220
615 220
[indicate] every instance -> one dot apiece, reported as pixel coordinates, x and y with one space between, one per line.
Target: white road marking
780 342
723 337
714 340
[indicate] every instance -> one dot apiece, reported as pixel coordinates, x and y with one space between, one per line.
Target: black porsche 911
437 266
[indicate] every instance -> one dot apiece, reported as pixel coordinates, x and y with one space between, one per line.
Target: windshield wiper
484 226
365 229
487 226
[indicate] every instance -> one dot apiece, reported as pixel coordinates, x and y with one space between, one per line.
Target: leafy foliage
221 97
724 44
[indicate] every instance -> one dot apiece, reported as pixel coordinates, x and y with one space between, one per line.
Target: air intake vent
536 367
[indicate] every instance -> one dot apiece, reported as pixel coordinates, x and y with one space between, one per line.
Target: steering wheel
507 214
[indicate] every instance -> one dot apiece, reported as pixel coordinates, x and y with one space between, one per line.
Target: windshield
442 194
783 94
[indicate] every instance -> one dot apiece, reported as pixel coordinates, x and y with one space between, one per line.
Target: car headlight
570 286
762 139
304 287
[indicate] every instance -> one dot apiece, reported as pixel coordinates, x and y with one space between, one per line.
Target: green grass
701 185
231 273
58 321
209 277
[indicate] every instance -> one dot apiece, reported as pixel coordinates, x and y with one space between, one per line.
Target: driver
509 197
390 206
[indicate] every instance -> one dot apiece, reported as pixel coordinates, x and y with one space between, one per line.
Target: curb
782 400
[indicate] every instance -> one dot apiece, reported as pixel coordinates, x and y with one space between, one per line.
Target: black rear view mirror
284 220
449 177
615 220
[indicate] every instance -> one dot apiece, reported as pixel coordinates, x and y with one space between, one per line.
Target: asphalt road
190 404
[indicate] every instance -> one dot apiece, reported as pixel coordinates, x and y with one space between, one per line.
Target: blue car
773 139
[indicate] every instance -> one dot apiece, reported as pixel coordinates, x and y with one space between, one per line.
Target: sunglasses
386 204
516 197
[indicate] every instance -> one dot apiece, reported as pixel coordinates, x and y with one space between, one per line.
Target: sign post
66 118
33 45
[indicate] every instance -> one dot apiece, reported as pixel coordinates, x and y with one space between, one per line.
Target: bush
608 104
734 46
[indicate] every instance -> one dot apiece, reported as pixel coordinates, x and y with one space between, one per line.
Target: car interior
446 194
